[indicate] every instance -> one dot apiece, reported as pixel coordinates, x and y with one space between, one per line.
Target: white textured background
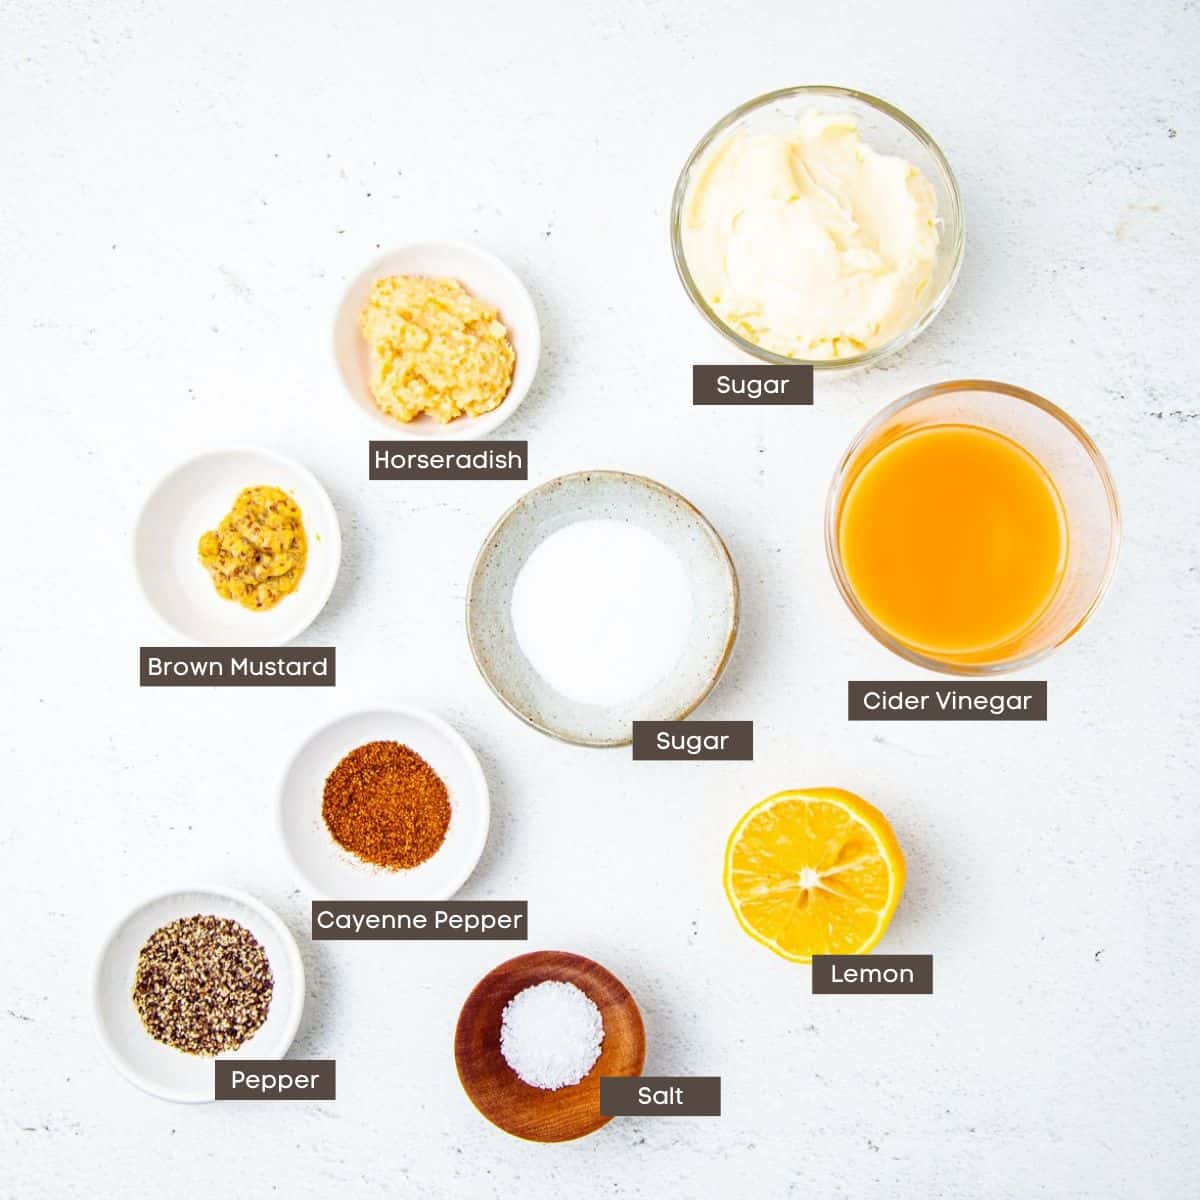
186 187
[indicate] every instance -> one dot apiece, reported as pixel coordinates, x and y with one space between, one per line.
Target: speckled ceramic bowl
603 495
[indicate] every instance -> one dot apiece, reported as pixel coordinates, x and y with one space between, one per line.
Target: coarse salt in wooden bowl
495 1089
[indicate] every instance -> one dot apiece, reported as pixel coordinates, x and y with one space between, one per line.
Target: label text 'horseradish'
751 384
660 1095
875 974
420 920
729 741
977 700
238 666
449 460
275 1079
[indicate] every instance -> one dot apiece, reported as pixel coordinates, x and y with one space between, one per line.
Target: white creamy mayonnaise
806 241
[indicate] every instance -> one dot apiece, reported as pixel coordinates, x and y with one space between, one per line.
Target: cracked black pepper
203 985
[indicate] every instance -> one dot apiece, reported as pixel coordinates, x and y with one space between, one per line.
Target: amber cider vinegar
954 540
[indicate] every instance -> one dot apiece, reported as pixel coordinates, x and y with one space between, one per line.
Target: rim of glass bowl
825 364
871 430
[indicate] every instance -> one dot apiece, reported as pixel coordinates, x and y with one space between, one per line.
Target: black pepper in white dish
203 985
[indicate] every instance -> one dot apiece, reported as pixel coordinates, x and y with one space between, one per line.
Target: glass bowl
1075 467
885 129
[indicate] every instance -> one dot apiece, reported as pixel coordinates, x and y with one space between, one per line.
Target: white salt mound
602 610
551 1034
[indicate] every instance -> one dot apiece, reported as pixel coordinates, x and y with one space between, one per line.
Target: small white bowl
153 1066
193 498
617 496
333 873
486 277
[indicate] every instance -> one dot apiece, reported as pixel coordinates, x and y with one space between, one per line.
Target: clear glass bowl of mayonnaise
817 225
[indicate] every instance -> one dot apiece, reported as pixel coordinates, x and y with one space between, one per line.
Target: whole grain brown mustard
258 552
386 805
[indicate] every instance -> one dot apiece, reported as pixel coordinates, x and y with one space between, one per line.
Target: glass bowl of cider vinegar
972 527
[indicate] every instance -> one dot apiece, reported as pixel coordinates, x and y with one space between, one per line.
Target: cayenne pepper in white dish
387 806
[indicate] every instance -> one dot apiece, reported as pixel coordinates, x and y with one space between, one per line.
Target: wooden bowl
495 1088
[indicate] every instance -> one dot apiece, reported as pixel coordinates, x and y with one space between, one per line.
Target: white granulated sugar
602 611
551 1034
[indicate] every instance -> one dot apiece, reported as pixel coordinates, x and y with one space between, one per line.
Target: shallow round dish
885 129
612 495
193 498
495 1088
487 278
153 1066
334 873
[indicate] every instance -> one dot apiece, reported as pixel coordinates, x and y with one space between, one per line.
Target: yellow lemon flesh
817 871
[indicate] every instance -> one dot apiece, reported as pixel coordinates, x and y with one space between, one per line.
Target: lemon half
817 871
